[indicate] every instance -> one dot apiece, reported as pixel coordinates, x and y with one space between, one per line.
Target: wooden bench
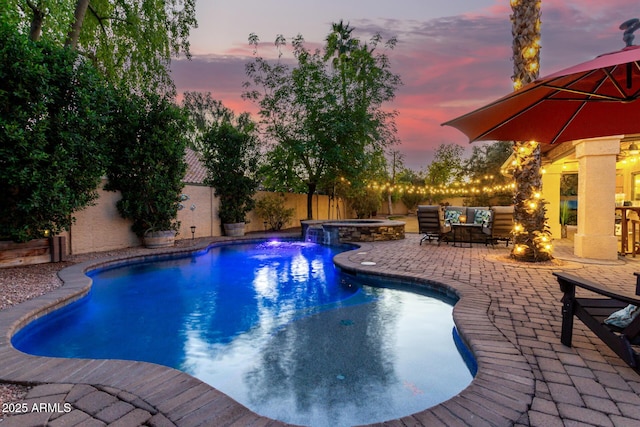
593 311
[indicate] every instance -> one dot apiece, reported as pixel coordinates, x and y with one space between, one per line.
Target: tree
131 42
485 166
231 156
445 169
54 109
531 237
323 117
230 151
149 134
413 182
206 112
395 161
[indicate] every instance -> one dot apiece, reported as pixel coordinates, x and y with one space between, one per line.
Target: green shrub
271 208
364 201
54 109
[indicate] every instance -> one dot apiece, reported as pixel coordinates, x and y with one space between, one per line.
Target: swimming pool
274 325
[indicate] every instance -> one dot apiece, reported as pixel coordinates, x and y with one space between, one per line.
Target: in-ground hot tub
351 230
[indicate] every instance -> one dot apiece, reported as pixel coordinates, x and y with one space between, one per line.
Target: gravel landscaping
18 284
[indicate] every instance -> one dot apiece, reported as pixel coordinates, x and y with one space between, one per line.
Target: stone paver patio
509 315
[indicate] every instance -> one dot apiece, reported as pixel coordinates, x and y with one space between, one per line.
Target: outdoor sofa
494 223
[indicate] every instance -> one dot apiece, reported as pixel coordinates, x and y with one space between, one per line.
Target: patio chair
431 223
594 311
500 226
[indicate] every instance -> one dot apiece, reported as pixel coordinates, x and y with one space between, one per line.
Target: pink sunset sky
453 55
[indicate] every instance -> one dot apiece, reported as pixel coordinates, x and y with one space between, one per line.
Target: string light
455 189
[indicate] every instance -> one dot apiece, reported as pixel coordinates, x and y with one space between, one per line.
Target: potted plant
564 218
231 155
148 166
230 152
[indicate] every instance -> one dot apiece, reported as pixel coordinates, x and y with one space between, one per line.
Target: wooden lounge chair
593 311
431 223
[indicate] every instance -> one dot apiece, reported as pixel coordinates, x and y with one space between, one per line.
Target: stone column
595 237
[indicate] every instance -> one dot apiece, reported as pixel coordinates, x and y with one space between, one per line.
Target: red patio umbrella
593 99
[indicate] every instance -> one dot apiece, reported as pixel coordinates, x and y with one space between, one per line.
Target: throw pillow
452 216
622 318
482 216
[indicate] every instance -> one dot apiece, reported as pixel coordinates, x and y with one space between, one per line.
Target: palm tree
339 41
340 45
531 235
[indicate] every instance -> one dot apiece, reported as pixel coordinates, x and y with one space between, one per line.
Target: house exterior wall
201 210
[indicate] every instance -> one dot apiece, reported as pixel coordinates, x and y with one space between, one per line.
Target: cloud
449 65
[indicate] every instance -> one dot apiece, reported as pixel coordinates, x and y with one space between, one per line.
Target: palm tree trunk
531 236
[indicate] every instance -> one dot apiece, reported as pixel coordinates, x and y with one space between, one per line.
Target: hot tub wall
362 233
354 231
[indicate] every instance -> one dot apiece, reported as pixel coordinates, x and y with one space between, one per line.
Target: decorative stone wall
356 230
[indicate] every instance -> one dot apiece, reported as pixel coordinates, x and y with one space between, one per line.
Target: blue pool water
276 326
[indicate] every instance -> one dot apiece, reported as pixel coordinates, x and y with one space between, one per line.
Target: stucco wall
201 210
322 208
100 228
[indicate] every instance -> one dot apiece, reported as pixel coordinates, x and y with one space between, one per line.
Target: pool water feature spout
315 234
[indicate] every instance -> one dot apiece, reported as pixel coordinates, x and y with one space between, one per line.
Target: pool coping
500 393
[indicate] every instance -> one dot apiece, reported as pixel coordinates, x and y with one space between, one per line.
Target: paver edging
33 370
470 312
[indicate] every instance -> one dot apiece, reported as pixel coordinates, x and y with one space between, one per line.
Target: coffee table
463 232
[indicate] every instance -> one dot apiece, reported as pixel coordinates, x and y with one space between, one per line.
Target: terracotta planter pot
234 230
159 239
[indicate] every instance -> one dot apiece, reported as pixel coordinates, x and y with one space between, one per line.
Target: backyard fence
100 227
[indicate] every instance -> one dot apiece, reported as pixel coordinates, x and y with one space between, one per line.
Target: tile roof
196 171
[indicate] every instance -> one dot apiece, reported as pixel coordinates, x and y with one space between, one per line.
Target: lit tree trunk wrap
531 236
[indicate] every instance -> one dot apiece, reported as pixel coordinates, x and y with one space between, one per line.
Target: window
635 186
